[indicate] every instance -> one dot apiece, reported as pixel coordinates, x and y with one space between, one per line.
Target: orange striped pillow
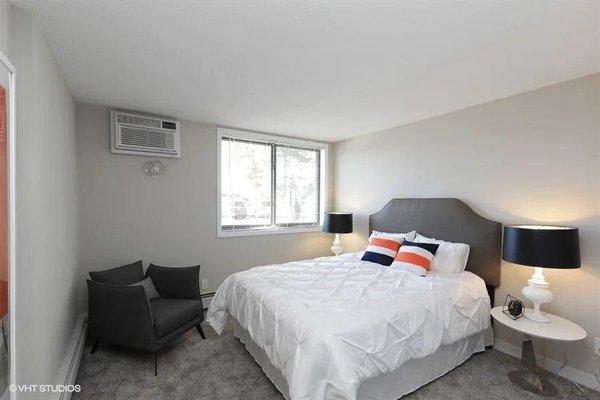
415 257
382 249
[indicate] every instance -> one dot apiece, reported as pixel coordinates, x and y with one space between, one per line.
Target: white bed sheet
330 323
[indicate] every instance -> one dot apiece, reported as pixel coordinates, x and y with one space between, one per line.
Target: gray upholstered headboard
451 220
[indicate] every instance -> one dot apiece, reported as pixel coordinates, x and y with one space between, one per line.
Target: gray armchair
121 312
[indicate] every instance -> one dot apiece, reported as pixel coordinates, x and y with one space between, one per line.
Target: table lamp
337 222
540 246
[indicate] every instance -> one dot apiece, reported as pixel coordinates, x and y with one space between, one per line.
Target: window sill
254 232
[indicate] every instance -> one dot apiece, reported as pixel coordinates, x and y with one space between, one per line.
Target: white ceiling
325 70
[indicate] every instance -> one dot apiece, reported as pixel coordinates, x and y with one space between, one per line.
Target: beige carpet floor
219 368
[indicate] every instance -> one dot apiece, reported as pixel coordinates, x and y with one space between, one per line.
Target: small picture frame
513 307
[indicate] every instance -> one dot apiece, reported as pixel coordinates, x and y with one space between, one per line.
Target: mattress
330 324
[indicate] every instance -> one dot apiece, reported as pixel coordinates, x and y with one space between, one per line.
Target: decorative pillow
149 288
382 249
402 236
415 257
451 258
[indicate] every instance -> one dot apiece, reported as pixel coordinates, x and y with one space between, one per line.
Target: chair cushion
120 276
176 282
170 314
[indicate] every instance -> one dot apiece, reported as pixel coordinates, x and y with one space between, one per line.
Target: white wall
4 26
126 215
47 255
533 157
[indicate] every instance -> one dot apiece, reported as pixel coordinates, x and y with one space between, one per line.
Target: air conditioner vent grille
138 134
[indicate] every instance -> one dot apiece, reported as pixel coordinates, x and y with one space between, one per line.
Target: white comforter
330 323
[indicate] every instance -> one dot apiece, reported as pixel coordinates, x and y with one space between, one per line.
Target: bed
342 328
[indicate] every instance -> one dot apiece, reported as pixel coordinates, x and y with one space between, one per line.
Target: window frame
284 141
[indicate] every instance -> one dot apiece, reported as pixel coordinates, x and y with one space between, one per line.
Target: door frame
11 141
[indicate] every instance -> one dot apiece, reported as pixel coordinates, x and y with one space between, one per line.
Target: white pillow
410 236
450 258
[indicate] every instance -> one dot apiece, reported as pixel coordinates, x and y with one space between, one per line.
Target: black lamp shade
337 222
541 246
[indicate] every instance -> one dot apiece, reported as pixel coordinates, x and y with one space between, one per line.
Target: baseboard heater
207 299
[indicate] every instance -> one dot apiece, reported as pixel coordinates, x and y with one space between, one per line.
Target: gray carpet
219 368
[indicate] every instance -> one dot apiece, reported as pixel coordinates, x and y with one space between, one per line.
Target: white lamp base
337 248
537 291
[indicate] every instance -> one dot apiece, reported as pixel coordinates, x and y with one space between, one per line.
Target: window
268 184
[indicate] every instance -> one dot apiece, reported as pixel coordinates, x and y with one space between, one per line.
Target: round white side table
531 377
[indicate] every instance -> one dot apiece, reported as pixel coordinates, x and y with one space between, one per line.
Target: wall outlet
204 283
597 346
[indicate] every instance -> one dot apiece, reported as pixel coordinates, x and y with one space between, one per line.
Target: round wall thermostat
153 168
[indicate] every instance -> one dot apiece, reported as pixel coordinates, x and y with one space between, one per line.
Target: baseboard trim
575 375
70 366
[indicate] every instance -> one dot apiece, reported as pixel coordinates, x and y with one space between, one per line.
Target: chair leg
95 346
200 331
155 365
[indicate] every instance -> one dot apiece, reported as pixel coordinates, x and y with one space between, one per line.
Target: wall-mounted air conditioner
144 135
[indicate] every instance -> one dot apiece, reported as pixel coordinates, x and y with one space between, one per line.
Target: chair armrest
176 282
120 315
